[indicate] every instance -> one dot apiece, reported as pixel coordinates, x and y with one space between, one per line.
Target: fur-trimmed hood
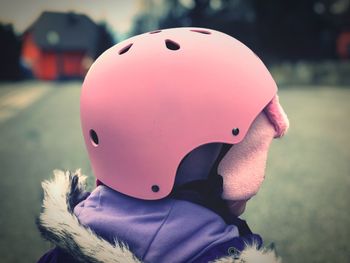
59 225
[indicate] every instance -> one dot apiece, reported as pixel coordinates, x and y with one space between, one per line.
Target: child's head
230 174
161 111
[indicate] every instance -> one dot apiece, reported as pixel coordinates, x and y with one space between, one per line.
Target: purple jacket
166 230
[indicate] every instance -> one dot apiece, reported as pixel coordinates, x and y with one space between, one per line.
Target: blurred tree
274 29
294 29
235 17
10 48
106 39
151 12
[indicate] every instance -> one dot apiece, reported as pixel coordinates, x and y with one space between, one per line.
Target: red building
63 45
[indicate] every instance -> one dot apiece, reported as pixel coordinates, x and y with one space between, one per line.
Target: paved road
303 204
40 131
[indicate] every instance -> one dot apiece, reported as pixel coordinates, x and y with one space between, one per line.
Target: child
177 124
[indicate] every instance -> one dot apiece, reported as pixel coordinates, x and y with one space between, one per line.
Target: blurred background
46 48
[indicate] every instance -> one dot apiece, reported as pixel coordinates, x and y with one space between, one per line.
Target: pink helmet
151 99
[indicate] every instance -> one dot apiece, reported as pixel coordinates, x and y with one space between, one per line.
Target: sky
118 13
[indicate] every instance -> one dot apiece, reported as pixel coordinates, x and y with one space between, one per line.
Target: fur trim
58 224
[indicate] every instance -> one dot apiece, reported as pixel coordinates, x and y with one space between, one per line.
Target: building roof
65 32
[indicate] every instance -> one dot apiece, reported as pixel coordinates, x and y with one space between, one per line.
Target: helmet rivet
235 131
155 188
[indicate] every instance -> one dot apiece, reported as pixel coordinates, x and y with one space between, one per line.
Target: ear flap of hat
243 166
277 117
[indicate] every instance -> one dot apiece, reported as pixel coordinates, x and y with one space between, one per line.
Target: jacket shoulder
58 224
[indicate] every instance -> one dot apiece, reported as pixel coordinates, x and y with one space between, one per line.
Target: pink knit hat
243 167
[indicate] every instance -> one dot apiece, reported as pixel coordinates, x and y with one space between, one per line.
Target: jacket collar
59 225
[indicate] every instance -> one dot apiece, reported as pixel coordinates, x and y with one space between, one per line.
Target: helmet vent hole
125 49
155 188
94 138
201 31
172 45
155 31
